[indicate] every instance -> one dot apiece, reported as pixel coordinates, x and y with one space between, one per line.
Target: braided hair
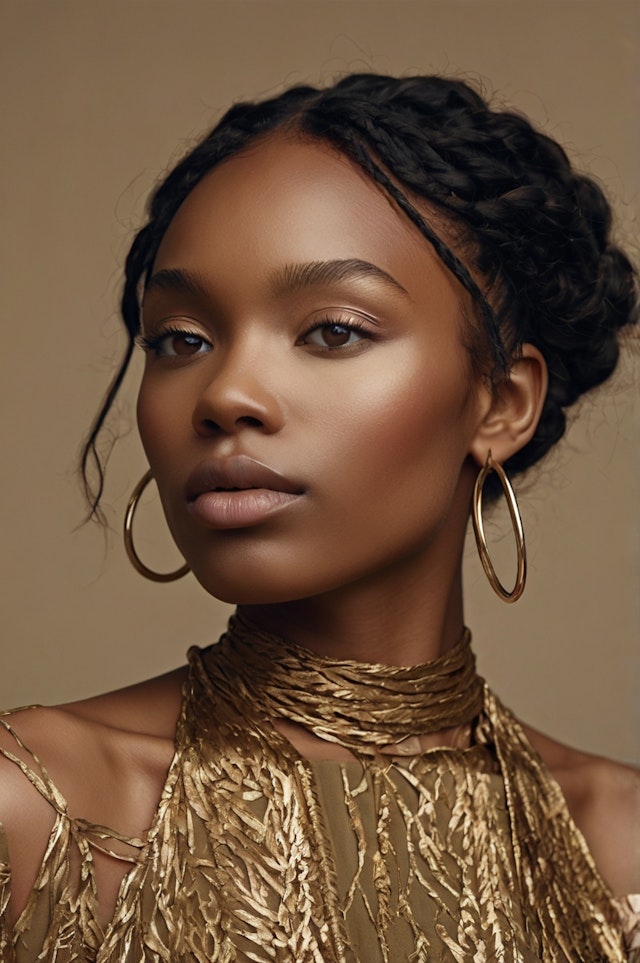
532 236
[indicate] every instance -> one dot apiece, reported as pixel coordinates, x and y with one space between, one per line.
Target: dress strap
38 775
562 889
96 836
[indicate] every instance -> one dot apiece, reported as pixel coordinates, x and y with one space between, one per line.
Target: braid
352 140
537 232
533 236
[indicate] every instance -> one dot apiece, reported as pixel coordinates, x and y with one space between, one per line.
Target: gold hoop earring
518 532
134 558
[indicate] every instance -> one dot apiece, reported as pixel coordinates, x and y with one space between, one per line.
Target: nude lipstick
238 492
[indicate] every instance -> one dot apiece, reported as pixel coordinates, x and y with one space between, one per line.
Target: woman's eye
183 344
176 344
334 335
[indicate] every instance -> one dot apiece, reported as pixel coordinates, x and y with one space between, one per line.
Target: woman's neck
404 618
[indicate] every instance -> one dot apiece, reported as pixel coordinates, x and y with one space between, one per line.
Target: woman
357 305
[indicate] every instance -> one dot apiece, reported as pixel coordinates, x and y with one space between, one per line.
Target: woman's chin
246 591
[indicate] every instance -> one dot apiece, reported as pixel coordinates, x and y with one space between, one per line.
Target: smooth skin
353 380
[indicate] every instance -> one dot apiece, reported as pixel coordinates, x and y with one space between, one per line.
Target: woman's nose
238 395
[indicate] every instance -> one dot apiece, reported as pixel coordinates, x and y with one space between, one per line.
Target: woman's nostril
211 425
249 421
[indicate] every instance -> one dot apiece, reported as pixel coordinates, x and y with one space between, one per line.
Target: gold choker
366 707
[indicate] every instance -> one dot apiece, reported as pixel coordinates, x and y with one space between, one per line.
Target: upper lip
237 472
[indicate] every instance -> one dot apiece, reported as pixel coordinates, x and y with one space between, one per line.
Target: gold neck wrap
365 706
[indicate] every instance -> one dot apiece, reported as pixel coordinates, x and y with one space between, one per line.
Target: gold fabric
255 854
365 706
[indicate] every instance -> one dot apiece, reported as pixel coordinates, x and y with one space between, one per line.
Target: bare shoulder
107 757
128 729
603 797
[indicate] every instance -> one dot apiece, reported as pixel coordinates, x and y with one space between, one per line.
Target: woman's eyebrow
313 273
178 280
290 277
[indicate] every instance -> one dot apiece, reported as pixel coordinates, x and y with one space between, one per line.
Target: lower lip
239 509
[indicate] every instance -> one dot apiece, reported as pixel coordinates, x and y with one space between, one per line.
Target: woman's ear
516 405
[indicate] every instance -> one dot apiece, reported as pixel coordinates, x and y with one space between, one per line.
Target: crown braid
533 245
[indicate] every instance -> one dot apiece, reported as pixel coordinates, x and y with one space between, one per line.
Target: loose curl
532 236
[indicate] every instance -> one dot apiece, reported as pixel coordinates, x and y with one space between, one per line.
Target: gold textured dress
256 854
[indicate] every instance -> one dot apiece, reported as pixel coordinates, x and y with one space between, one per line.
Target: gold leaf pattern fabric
367 706
256 854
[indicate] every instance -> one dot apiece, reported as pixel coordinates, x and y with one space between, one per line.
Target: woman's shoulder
603 798
130 728
103 759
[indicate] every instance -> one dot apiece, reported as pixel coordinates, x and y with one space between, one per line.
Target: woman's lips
237 492
239 509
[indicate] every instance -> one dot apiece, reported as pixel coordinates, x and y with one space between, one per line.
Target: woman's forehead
289 200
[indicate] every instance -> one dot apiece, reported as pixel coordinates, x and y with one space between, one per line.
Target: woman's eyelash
146 343
153 343
353 324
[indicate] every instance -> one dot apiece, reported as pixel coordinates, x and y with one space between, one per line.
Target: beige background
99 96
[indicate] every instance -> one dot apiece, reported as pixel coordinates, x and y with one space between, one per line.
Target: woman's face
305 357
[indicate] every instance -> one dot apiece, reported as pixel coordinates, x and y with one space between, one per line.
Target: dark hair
532 230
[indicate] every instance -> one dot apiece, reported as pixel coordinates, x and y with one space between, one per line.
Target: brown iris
186 344
335 335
